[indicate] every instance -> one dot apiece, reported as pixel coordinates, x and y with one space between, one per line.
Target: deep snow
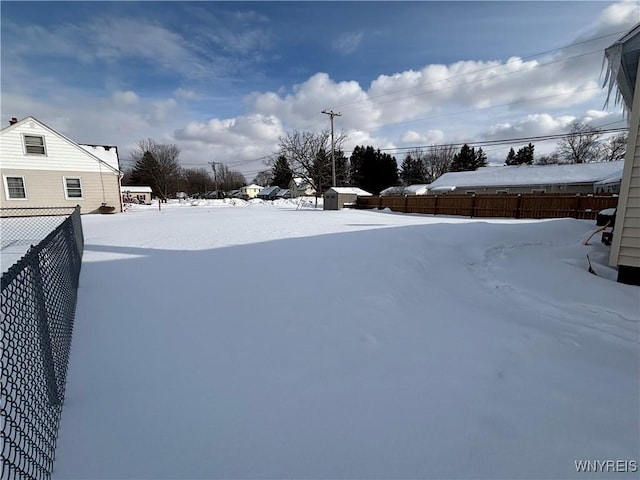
268 342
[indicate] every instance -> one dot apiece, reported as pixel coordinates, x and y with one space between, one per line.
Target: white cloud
430 137
347 42
125 98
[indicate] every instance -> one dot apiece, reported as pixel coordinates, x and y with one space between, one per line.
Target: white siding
625 249
61 154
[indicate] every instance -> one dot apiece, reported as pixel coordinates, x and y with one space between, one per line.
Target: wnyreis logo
606 466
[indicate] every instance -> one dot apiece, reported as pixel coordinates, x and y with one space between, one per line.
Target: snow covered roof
351 190
417 189
269 190
529 175
134 188
253 185
106 153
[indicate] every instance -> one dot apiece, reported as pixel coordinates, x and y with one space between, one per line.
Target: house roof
522 175
622 59
30 118
253 185
106 153
417 189
135 188
351 190
269 190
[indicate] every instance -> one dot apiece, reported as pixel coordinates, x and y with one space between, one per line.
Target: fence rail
38 295
508 206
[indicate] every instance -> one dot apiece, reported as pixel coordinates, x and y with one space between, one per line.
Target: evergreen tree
373 170
412 170
464 160
511 157
342 169
481 159
281 172
525 155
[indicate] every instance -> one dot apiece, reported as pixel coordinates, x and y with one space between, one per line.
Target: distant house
250 191
283 193
624 73
299 187
43 168
336 197
268 193
574 178
417 189
136 194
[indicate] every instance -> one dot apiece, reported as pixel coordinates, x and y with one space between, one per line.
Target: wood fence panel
500 206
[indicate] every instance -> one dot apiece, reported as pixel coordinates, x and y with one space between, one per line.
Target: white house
299 187
623 72
43 168
574 178
250 191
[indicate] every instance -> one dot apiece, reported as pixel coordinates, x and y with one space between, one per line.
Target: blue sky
224 80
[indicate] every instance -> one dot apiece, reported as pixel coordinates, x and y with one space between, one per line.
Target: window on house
34 145
470 192
73 188
538 190
14 187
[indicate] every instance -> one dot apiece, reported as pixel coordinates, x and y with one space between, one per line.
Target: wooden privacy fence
503 205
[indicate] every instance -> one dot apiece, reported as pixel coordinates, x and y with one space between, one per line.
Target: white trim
6 187
66 188
24 145
538 190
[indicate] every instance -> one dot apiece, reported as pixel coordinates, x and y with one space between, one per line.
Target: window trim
469 192
66 188
24 145
6 187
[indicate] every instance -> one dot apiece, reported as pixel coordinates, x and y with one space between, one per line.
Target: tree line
307 155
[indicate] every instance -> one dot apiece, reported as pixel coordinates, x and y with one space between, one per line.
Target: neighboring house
283 193
299 187
136 194
417 189
250 191
336 197
574 178
43 168
268 193
623 72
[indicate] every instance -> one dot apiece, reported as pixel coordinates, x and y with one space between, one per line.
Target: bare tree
156 164
581 144
229 179
309 157
263 178
550 159
197 180
616 147
437 161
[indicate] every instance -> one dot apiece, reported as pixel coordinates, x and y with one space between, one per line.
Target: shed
136 194
336 197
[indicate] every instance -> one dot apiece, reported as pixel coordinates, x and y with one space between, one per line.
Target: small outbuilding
336 197
136 194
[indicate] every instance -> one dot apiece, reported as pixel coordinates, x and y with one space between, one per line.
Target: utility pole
332 114
215 175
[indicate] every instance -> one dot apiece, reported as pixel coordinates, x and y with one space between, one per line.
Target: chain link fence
38 302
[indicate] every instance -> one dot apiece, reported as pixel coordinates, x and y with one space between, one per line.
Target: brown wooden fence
509 206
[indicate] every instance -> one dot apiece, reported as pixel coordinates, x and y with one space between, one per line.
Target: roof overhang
622 67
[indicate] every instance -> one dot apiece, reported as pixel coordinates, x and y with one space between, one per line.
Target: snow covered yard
265 342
